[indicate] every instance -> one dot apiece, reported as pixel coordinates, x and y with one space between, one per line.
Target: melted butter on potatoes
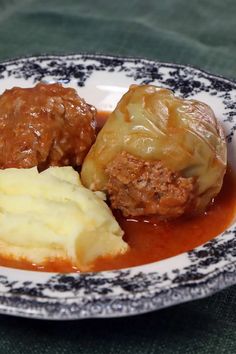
50 215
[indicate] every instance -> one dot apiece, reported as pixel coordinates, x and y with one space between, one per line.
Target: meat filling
47 125
139 187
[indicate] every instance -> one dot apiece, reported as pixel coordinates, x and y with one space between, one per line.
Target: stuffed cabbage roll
158 154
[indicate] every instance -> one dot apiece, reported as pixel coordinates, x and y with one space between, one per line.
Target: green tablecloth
202 33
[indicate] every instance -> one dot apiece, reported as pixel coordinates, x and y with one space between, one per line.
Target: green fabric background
201 33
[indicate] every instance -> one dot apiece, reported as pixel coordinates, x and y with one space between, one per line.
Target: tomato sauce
151 239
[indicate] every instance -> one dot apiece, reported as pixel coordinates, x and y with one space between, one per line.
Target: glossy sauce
47 125
151 239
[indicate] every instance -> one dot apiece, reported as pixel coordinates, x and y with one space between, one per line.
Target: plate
102 80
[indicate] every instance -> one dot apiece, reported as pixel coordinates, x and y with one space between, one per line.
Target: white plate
102 80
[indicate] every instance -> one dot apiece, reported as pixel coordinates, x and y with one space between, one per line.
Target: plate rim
131 58
41 304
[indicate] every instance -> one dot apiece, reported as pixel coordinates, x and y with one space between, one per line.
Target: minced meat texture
139 187
47 125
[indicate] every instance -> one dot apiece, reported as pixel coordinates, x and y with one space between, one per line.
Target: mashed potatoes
49 215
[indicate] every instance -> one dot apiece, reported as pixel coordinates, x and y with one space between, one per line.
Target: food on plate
50 216
158 157
152 239
47 125
158 154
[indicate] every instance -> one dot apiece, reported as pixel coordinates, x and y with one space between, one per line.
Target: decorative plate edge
120 306
98 55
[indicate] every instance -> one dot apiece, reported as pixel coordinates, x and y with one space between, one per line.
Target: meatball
140 187
47 125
